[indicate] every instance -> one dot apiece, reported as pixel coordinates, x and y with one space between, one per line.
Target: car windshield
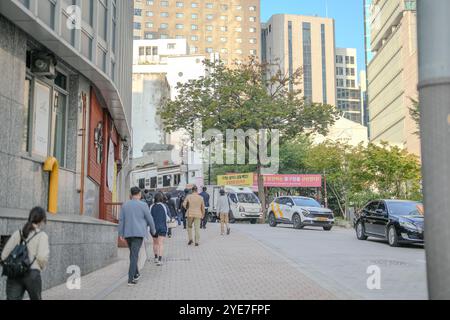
405 208
306 202
247 198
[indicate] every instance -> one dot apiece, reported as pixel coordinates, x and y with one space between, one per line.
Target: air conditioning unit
43 64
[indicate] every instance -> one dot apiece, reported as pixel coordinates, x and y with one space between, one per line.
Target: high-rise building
393 72
296 41
230 28
364 102
348 92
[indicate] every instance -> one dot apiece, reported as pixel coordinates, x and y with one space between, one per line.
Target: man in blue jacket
205 197
134 219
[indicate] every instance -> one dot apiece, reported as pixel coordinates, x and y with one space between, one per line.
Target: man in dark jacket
169 201
182 209
205 197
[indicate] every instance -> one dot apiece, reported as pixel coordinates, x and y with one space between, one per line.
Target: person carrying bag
25 255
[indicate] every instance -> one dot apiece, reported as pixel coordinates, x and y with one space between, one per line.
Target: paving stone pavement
234 267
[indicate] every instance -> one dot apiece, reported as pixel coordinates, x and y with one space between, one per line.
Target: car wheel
253 221
360 233
392 237
328 228
272 220
297 221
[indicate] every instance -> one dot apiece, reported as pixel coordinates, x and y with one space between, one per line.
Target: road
338 261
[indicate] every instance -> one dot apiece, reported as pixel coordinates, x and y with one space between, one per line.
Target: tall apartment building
348 92
228 27
65 124
393 72
296 41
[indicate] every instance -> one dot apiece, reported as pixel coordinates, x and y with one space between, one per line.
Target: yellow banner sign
238 179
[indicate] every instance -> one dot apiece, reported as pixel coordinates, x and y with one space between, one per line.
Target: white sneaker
159 263
155 260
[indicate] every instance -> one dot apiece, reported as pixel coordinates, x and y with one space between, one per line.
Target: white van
243 201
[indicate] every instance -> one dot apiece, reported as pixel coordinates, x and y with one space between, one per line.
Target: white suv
300 212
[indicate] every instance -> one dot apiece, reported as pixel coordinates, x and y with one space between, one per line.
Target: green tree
250 96
414 112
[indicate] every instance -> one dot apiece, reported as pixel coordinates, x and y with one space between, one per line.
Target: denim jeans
134 244
31 283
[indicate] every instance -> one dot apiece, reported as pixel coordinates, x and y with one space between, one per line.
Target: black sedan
396 221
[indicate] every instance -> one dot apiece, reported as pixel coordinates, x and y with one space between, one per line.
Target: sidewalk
232 267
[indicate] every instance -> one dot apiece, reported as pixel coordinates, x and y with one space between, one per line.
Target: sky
348 15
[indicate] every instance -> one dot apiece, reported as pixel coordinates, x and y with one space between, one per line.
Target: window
166 180
209 28
252 19
238 40
307 61
194 27
224 18
194 38
253 52
194 16
163 26
179 26
179 15
223 28
137 26
87 8
252 40
153 183
149 13
155 51
238 7
194 5
223 39
149 24
209 16
209 39
164 14
180 4
179 36
193 49
252 30
224 7
138 12
150 2
239 29
252 8
148 35
238 51
209 5
164 3
209 50
164 36
238 18
339 59
102 19
340 71
224 50
60 127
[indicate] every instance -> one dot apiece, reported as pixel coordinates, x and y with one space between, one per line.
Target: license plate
322 219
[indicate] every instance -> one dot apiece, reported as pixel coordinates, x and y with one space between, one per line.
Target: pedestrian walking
147 197
205 195
224 209
171 206
182 209
160 214
135 218
195 207
25 256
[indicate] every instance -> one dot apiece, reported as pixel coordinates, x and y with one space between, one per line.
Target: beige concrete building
230 28
296 41
393 73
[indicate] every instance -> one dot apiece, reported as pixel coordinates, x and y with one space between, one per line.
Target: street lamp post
434 95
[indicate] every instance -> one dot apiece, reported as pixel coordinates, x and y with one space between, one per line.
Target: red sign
291 180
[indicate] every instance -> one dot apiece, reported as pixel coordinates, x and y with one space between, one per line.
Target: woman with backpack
160 214
27 247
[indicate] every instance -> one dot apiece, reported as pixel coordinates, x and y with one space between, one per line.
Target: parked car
396 221
300 212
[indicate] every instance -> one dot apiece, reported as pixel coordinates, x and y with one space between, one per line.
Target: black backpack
18 262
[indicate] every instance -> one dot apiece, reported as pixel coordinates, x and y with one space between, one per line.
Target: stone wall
74 240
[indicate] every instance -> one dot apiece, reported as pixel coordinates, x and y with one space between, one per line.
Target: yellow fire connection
51 165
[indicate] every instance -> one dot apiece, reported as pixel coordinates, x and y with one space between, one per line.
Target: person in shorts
160 216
